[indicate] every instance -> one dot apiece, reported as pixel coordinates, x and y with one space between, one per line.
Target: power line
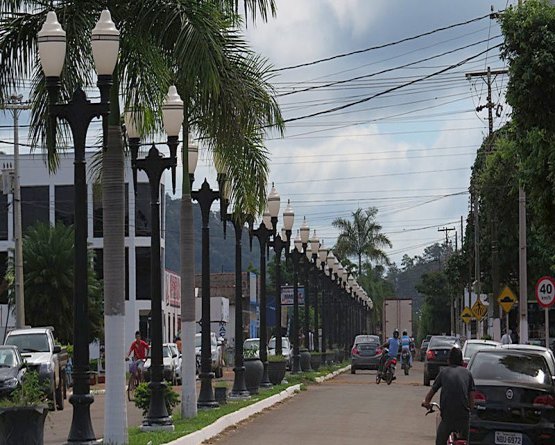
385 45
389 90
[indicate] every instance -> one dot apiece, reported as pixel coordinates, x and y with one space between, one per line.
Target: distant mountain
222 251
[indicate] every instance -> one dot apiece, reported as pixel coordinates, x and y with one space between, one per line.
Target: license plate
504 438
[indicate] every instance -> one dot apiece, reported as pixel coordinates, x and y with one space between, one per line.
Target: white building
49 198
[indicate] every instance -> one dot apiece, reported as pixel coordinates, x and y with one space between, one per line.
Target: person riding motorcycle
393 345
405 346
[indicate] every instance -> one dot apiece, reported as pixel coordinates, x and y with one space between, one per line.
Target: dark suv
436 355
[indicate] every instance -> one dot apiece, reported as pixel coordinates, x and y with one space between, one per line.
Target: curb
332 374
231 419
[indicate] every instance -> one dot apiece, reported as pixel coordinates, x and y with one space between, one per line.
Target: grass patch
209 416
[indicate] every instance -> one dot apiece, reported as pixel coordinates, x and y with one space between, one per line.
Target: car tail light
393 361
430 355
354 351
545 401
479 397
378 351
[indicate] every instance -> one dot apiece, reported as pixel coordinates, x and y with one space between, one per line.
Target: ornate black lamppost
297 255
322 255
205 196
263 233
311 266
79 113
154 165
281 243
330 263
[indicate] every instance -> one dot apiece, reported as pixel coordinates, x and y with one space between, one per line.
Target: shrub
30 393
142 398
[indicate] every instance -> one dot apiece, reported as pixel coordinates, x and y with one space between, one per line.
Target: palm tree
228 101
48 264
362 237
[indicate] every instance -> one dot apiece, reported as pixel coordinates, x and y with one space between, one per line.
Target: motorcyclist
392 344
405 346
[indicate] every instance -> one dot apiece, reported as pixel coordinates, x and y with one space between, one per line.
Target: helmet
396 333
405 333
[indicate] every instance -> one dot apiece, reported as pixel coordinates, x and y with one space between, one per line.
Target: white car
216 351
251 348
286 347
176 361
168 362
471 346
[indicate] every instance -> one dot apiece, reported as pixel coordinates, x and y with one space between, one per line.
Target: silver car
365 353
470 347
216 351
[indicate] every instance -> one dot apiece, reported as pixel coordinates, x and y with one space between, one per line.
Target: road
347 410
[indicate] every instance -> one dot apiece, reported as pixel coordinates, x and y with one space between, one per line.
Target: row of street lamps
343 307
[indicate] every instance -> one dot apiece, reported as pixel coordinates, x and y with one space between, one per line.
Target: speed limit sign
545 292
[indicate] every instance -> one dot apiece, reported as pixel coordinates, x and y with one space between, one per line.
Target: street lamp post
79 112
322 255
314 247
281 243
205 196
154 165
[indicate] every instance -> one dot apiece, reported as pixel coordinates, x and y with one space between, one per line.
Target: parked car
216 352
286 347
251 347
423 348
41 353
436 355
12 369
365 353
471 346
514 398
547 353
168 362
176 355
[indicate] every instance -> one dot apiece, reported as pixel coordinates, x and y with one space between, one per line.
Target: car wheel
426 379
353 370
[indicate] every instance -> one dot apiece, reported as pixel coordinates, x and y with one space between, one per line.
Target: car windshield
514 368
29 342
284 343
250 344
7 358
166 352
471 348
367 339
439 341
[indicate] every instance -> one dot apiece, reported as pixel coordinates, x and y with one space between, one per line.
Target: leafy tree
48 262
361 237
435 313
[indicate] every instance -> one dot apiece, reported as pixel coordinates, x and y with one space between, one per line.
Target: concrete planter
305 361
276 371
220 394
22 425
253 374
315 361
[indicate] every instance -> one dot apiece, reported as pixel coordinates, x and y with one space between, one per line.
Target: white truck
397 314
42 354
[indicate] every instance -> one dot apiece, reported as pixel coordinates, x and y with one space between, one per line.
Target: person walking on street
506 339
456 398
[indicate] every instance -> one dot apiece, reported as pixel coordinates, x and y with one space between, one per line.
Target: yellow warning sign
466 315
506 299
479 310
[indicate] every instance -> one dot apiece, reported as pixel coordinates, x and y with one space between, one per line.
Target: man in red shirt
139 348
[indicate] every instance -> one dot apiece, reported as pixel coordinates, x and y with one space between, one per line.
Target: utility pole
451 303
446 230
522 269
489 76
15 106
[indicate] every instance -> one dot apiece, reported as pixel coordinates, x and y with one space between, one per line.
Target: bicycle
453 438
135 378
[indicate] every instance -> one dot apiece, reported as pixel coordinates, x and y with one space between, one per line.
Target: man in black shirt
456 398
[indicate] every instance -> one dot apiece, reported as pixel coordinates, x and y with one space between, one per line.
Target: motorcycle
388 369
405 361
454 438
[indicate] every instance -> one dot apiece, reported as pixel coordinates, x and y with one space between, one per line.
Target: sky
407 152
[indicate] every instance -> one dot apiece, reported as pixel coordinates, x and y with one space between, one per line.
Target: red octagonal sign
545 291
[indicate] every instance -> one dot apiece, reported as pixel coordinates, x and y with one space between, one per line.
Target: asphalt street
347 410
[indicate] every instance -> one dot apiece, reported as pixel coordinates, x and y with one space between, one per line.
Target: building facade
49 198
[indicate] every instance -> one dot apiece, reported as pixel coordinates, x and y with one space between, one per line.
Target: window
97 211
99 267
3 217
142 273
162 206
34 206
143 225
64 204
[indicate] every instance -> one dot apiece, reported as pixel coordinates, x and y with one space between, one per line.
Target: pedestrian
506 339
179 343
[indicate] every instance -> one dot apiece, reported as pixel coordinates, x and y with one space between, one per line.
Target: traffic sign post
466 315
545 295
506 300
479 311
